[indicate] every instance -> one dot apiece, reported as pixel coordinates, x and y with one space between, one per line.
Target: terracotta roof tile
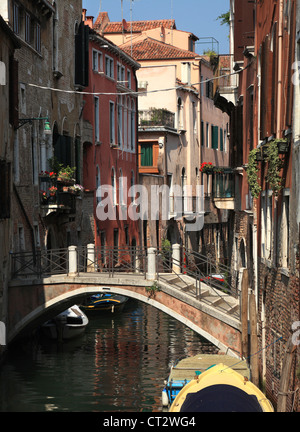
102 24
151 49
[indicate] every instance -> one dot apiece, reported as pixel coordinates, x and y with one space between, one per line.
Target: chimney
83 14
89 21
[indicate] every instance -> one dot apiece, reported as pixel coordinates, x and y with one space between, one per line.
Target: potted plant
206 167
76 189
43 197
282 144
252 174
66 173
52 191
275 164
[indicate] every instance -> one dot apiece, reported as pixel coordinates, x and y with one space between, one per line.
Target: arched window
98 184
132 183
179 114
121 188
132 127
114 186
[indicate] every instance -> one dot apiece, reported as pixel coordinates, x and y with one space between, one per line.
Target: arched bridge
181 284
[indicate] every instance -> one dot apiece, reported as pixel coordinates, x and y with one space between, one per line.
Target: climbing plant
275 164
252 174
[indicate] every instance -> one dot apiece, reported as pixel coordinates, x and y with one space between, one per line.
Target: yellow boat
220 389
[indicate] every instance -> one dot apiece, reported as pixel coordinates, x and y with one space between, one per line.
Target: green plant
54 164
252 174
153 288
275 164
66 172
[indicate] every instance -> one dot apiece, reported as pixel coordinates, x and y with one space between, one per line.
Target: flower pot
283 146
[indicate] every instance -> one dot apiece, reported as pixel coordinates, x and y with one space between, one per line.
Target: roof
102 24
151 49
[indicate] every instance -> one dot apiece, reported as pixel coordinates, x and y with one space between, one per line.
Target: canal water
118 365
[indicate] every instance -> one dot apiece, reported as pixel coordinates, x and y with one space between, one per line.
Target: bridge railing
40 263
110 260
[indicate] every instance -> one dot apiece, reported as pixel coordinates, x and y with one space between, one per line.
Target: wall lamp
47 128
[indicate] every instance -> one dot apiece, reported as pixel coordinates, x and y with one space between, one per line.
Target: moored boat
213 383
104 302
66 325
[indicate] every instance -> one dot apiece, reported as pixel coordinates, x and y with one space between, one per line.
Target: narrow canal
118 365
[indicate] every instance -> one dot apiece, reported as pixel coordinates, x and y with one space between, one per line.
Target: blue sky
196 16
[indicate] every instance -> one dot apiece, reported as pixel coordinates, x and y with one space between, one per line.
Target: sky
196 16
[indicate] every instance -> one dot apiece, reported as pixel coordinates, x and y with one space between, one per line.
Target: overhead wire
133 93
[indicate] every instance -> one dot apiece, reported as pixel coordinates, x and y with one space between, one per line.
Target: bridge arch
58 297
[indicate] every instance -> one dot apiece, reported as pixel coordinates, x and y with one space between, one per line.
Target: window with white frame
109 67
284 230
112 138
120 122
98 184
96 119
97 61
132 127
128 78
125 114
121 188
121 74
266 224
114 186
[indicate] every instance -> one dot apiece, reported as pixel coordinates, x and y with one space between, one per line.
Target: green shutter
214 137
146 155
221 140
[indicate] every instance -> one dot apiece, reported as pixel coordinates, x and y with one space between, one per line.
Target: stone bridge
211 313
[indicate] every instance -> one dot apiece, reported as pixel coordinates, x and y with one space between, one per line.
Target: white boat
67 325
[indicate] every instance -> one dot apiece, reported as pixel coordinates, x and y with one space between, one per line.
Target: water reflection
119 364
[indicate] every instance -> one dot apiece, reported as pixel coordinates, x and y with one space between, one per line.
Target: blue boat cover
221 398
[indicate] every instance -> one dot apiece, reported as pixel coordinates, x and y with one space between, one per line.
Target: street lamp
47 128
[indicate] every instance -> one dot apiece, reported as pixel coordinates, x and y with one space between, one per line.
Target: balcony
57 196
224 189
155 117
186 206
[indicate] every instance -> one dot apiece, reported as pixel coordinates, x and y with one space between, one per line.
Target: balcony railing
157 117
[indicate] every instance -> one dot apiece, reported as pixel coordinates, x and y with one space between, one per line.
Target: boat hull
69 324
220 389
105 303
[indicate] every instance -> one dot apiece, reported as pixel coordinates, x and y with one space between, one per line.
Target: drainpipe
279 83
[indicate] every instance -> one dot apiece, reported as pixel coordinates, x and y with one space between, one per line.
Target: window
221 140
16 17
121 74
97 61
98 184
27 28
202 133
109 67
214 137
114 186
146 154
207 135
112 122
128 79
38 46
121 188
96 112
284 231
132 127
120 123
179 114
5 169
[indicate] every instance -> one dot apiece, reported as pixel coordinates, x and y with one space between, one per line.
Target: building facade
179 129
110 156
263 137
8 98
